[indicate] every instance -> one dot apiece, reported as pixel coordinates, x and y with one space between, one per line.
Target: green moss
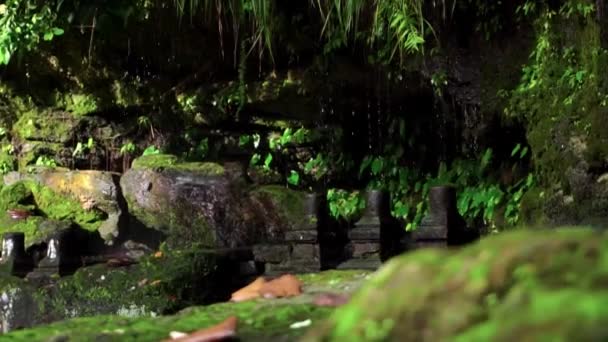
29 226
156 285
80 104
16 196
159 162
531 208
45 126
32 196
507 287
259 320
59 207
331 278
561 95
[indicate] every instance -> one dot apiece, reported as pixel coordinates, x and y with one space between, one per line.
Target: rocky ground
523 285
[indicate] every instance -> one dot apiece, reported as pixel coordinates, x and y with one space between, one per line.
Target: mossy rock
259 320
286 205
191 202
95 192
518 286
53 127
158 284
44 204
168 162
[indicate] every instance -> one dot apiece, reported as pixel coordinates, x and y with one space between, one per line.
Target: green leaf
377 166
268 161
364 165
48 36
57 31
294 178
515 150
255 159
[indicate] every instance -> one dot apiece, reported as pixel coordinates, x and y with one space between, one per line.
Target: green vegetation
493 290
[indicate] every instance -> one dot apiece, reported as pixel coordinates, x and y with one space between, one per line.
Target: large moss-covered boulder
91 199
47 201
158 284
522 286
191 202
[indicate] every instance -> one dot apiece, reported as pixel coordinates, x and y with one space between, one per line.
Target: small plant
5 168
150 150
344 204
46 161
82 148
293 178
126 151
144 121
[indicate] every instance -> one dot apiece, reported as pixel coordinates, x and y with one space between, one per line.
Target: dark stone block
14 260
274 253
301 235
364 234
307 251
365 249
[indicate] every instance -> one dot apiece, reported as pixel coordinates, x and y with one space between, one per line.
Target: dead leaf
158 254
156 282
331 299
285 286
250 291
225 329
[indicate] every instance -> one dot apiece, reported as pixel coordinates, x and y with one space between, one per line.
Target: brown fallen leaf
217 332
284 286
250 291
331 299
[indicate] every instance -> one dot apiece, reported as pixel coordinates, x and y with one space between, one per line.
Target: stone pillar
364 248
60 258
443 225
299 252
14 260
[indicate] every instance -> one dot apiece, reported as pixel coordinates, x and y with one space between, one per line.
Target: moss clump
161 162
79 104
50 127
507 287
29 226
16 196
